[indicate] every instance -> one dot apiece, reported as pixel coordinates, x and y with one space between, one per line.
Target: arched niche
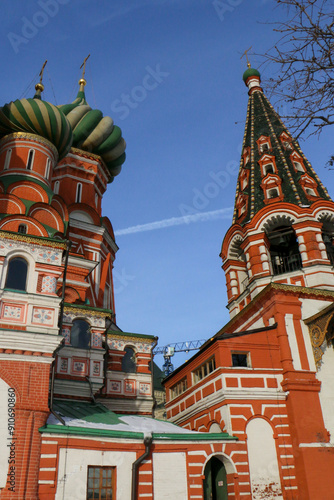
283 248
215 428
81 216
263 464
236 253
327 233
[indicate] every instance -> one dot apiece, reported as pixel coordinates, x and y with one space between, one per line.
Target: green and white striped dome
95 133
37 117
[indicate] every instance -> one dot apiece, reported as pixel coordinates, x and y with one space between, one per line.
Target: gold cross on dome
42 71
245 54
83 65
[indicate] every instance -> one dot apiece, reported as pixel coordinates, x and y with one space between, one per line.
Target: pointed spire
273 168
39 87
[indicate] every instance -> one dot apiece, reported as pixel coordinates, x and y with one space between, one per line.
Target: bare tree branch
304 56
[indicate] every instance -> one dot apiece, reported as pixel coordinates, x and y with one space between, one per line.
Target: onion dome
250 72
94 132
38 117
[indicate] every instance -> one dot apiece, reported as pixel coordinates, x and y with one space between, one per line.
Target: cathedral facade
267 377
76 391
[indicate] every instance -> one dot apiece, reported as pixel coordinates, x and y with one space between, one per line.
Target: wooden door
215 483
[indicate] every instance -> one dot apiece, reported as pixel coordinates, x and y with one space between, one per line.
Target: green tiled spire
268 141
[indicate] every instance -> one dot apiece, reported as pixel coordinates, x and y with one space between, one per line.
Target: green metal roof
87 411
86 418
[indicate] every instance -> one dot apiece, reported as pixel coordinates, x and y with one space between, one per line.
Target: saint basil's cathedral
250 415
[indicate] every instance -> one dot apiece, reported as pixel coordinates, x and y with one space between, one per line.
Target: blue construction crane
169 350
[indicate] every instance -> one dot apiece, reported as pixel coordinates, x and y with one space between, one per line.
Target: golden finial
39 87
245 54
82 81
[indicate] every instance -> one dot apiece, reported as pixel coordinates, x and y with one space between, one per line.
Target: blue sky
169 73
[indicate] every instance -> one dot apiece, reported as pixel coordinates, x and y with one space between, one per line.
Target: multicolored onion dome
94 132
38 117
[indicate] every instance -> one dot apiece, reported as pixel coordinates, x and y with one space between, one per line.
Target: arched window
268 169
284 250
298 166
264 147
17 274
273 193
22 229
7 160
78 193
129 361
310 191
56 187
30 159
47 168
80 334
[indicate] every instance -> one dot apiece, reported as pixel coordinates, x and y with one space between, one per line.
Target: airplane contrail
223 213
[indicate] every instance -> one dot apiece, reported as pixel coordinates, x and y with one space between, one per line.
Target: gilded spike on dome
39 117
94 132
39 87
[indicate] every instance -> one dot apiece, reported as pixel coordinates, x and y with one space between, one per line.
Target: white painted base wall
170 476
326 377
72 473
265 480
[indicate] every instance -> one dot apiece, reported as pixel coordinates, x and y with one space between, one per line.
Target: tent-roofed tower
267 375
283 221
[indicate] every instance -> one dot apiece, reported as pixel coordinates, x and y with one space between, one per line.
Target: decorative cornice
87 310
293 289
85 154
43 241
132 336
30 137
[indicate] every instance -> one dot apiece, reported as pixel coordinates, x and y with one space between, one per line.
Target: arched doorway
215 481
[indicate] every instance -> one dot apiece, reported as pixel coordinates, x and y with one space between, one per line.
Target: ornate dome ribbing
95 133
37 117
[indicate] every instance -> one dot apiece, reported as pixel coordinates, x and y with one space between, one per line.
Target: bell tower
278 258
283 222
